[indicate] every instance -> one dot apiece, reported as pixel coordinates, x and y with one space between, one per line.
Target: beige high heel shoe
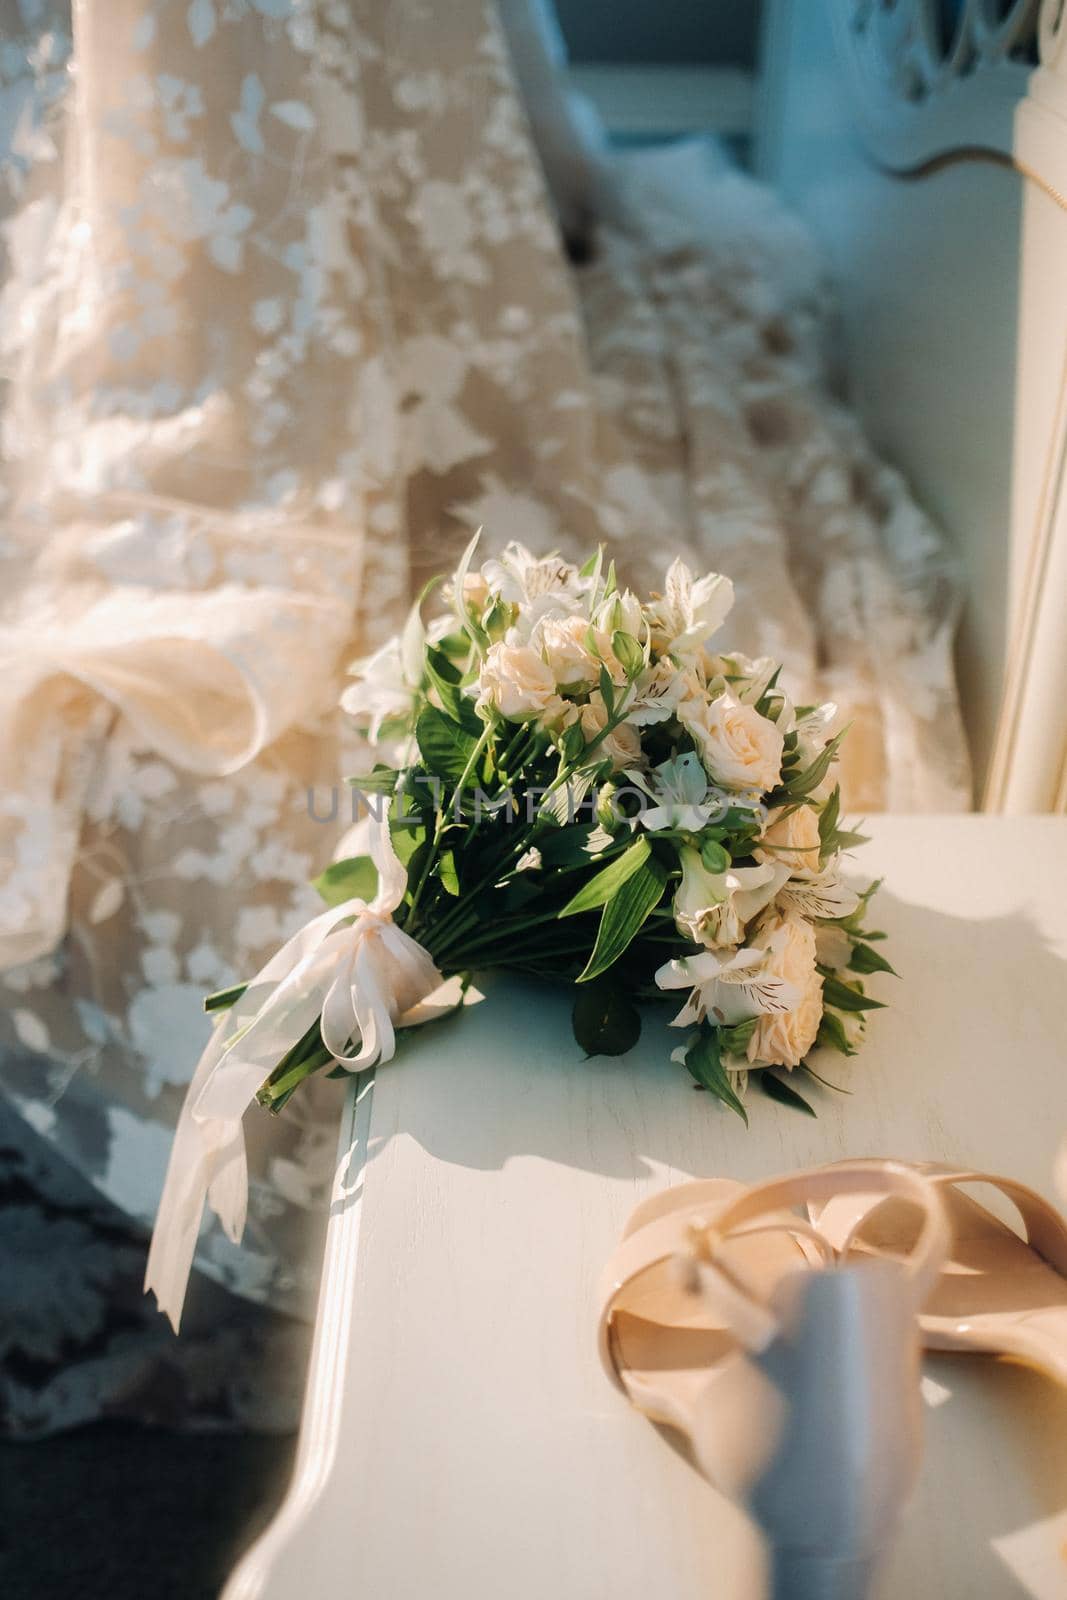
793 1377
998 1293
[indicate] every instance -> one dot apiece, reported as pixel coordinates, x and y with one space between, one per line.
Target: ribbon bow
353 968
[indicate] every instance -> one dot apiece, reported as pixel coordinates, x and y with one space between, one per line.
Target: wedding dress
285 315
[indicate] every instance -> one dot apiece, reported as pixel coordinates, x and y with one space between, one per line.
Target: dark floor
116 1512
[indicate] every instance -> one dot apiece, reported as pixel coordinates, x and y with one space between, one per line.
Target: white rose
517 683
792 837
714 908
622 745
563 644
739 748
783 1038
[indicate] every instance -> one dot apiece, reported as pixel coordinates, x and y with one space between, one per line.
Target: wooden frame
934 175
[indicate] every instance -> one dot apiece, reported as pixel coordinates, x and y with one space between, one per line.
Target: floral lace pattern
284 315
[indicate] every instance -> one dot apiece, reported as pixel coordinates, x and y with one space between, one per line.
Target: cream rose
516 682
739 748
622 745
563 643
783 1038
792 837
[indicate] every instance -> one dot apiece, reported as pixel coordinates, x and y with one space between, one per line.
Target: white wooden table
459 1439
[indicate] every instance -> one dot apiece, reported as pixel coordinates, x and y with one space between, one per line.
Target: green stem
444 817
472 761
223 999
308 1055
502 931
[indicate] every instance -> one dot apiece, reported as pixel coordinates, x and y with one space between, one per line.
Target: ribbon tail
207 1160
181 1207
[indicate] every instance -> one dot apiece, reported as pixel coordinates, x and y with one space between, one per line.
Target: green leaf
380 780
605 1019
847 998
832 1035
455 645
771 693
345 880
442 667
572 743
801 783
704 1063
592 566
446 747
575 846
611 583
776 1089
735 1039
609 880
446 679
714 857
864 959
407 836
828 820
417 865
847 839
623 915
627 652
607 691
447 872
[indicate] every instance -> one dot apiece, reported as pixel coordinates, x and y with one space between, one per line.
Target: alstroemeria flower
728 988
813 730
658 691
747 676
679 790
689 610
381 690
825 895
545 587
715 908
388 680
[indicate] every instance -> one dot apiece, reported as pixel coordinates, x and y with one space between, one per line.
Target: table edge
328 1364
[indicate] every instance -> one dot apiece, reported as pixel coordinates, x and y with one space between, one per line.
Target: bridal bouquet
580 786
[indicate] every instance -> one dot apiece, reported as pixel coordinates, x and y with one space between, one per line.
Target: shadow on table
978 1005
965 1066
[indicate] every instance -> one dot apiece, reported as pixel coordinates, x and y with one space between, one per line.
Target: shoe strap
843 1217
887 1179
693 1235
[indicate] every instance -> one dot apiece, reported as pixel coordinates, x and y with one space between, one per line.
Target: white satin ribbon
351 966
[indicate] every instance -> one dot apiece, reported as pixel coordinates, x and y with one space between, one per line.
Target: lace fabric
284 316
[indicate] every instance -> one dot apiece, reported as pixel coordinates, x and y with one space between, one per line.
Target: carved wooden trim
921 90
